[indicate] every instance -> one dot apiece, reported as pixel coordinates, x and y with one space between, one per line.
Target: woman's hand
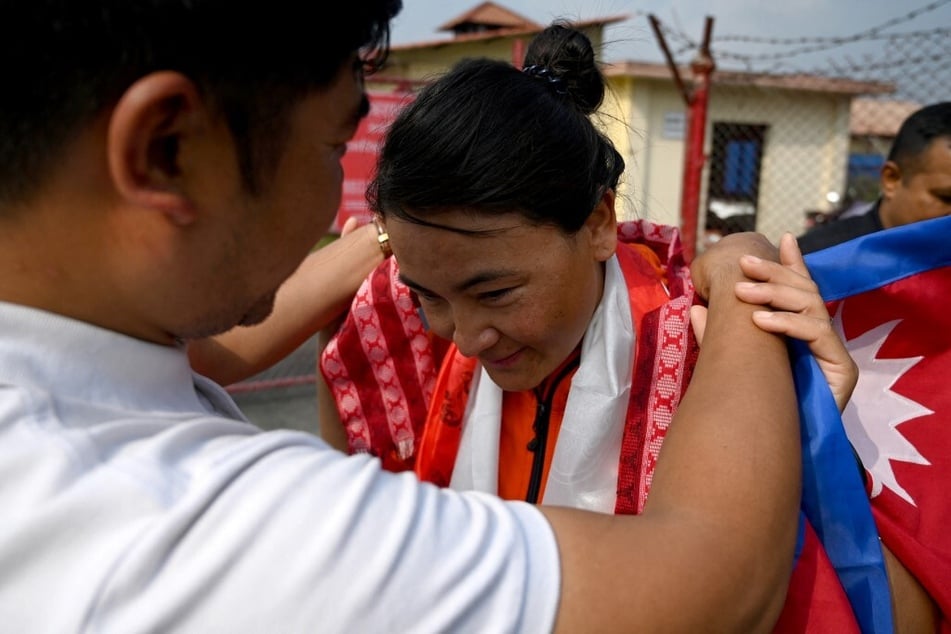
797 310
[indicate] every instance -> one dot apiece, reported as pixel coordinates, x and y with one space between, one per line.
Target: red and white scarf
382 400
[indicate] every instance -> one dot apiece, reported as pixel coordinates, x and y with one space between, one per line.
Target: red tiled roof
513 31
490 14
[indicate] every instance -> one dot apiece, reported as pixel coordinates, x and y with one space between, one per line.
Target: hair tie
543 72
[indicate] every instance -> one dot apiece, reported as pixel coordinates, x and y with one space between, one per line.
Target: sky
633 39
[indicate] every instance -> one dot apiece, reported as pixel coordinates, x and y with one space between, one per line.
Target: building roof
489 14
798 81
490 21
875 117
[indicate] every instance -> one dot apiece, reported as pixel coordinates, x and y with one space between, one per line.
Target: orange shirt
522 434
519 409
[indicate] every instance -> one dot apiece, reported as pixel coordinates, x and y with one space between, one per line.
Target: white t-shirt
136 498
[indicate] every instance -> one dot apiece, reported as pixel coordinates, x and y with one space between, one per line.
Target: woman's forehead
459 249
472 223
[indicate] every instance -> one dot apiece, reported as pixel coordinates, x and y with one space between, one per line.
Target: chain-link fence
773 166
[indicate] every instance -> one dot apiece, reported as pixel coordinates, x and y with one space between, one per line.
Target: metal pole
695 98
671 64
694 158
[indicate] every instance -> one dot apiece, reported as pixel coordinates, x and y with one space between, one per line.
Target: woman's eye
426 297
498 294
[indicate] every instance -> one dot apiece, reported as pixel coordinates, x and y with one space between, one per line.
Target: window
733 190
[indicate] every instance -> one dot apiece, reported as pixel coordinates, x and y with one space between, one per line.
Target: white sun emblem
873 414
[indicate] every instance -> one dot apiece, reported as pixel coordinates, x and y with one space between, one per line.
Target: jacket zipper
539 444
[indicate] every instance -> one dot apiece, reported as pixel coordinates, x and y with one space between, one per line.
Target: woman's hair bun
567 55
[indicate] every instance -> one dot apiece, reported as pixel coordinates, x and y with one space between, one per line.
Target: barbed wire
861 35
865 66
685 43
891 38
899 58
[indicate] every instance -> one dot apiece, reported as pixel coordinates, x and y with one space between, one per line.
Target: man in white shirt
161 173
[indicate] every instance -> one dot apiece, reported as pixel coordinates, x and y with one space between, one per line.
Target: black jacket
836 231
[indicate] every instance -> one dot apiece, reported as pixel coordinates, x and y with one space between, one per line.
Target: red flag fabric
816 603
889 293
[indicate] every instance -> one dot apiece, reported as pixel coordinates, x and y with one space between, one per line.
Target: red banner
360 159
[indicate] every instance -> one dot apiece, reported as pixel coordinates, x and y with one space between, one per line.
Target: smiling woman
519 311
522 269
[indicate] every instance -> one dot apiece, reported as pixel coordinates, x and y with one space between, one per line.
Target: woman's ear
602 227
149 125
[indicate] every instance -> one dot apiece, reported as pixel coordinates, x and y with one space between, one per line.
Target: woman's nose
473 335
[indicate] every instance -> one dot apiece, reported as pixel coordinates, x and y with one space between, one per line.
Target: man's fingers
349 225
698 320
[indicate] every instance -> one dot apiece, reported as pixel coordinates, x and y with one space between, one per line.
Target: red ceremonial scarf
665 354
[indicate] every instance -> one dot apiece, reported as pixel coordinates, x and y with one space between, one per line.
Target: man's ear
602 226
146 132
890 178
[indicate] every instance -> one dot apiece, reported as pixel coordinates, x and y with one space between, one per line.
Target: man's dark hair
917 133
65 61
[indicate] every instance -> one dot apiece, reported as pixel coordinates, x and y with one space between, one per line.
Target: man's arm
713 549
320 290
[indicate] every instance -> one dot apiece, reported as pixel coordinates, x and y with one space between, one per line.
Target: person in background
915 181
157 186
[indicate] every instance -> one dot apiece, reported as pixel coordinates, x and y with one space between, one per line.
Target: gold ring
382 238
